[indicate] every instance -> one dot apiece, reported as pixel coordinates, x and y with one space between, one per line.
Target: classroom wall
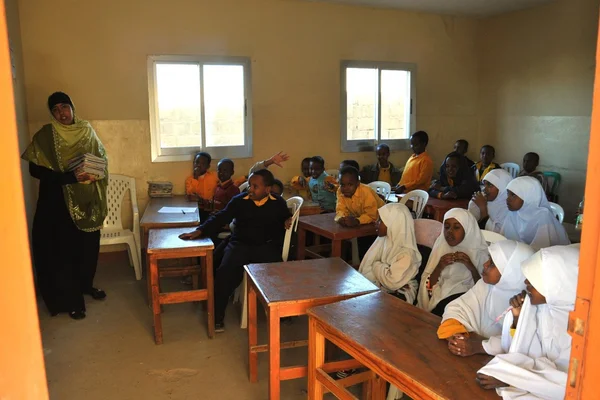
536 70
98 53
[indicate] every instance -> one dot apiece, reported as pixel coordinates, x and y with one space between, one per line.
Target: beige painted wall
536 70
98 55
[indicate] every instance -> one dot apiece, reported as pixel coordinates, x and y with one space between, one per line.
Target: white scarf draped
534 223
497 208
537 360
455 278
478 309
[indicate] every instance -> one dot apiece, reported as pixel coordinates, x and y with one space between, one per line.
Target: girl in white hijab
530 219
455 263
479 311
534 335
490 206
393 260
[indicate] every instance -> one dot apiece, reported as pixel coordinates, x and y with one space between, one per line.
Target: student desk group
388 339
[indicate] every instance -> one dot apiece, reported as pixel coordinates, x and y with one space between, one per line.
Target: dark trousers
230 273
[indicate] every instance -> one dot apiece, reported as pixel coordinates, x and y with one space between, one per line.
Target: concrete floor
111 354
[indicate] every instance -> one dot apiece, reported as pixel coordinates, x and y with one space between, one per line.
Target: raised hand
279 158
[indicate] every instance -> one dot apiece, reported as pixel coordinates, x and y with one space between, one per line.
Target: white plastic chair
491 236
112 231
558 211
419 199
333 172
382 188
512 168
244 186
241 293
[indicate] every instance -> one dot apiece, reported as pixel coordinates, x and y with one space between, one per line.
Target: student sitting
201 186
455 263
489 207
277 159
382 171
321 185
530 219
456 181
300 183
345 163
393 261
225 190
461 146
486 164
535 341
261 219
530 164
357 203
419 167
477 315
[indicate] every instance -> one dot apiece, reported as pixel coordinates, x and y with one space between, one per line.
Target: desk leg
336 248
210 312
252 334
153 276
301 251
378 386
316 359
148 280
274 353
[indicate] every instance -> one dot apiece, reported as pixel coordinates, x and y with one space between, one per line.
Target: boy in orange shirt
201 186
419 167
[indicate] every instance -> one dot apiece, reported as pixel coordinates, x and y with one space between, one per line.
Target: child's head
349 181
317 166
260 184
490 191
305 166
503 269
453 161
491 274
201 163
513 202
383 153
349 163
454 233
461 146
277 187
419 141
525 191
487 154
531 162
535 297
225 169
380 227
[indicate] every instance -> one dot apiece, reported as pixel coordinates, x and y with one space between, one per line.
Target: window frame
160 154
349 146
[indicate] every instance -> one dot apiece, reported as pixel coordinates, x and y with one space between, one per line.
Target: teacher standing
70 210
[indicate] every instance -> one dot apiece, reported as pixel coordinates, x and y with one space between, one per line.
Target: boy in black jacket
261 219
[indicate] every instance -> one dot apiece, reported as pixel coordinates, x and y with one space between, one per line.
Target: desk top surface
167 240
152 218
324 225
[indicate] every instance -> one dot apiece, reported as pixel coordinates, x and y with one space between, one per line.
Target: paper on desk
177 210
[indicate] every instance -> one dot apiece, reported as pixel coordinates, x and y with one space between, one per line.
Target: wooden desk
310 208
439 207
152 219
397 342
288 289
324 225
165 244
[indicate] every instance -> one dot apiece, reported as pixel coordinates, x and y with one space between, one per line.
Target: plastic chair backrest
333 172
419 198
244 186
555 183
295 203
491 236
427 231
382 188
512 168
118 185
558 211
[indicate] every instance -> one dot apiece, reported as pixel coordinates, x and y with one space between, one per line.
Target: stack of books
88 164
160 189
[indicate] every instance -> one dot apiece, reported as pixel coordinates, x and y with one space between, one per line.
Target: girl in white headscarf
489 206
393 260
455 263
479 311
530 219
534 335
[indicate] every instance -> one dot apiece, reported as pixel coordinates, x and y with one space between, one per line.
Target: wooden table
439 207
398 343
288 289
324 225
152 219
165 244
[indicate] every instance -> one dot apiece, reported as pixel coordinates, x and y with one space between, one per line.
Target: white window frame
160 154
371 144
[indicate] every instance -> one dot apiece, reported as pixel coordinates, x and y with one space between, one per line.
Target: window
199 103
378 104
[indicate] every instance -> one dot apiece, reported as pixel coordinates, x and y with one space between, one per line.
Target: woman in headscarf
455 263
393 260
535 341
70 210
478 314
489 207
530 219
457 180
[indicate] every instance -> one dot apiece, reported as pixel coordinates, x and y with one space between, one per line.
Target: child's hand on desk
489 382
349 222
288 223
449 196
191 235
436 185
464 345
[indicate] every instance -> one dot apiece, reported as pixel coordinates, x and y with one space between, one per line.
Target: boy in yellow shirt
356 203
419 167
201 186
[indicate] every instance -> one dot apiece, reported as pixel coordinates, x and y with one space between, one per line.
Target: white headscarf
538 356
455 278
393 260
478 309
534 223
